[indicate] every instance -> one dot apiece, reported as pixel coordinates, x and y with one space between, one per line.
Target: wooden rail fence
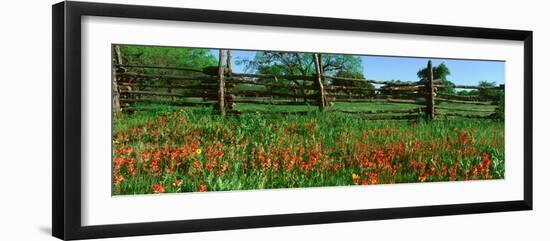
223 89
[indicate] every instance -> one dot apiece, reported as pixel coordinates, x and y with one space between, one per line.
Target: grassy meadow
195 149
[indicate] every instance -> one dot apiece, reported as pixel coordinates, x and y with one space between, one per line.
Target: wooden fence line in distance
166 102
169 77
378 101
466 115
383 82
282 86
411 110
159 67
172 86
466 102
463 110
500 87
226 90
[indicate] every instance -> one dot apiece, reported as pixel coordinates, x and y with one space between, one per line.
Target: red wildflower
157 188
177 183
422 178
118 179
202 188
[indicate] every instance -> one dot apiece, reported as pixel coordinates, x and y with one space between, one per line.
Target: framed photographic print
170 120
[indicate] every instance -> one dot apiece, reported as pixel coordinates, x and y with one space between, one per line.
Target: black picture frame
66 203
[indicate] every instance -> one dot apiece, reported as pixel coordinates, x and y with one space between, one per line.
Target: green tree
367 89
167 56
467 92
440 72
499 111
283 64
164 56
493 94
294 63
388 89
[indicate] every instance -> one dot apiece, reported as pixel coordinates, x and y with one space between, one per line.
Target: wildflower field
196 150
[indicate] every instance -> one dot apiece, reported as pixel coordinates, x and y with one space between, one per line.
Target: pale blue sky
465 72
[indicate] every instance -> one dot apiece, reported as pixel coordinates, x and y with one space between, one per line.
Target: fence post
323 81
115 95
319 80
229 62
221 90
229 99
430 109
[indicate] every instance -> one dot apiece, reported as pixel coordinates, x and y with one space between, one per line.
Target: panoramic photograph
188 119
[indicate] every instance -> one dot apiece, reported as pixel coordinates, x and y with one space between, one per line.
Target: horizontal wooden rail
280 77
238 112
270 102
383 82
160 67
337 88
202 86
374 96
465 115
203 94
466 102
380 100
277 85
450 109
351 96
413 110
403 88
167 102
501 87
462 97
263 93
169 77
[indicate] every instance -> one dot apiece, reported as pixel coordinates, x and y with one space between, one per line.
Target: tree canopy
440 72
366 87
167 56
489 93
294 63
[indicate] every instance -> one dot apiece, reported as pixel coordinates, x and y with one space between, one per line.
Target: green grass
313 107
200 149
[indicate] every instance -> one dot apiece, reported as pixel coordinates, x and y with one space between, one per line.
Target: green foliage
495 95
366 87
440 72
167 56
387 89
334 63
467 92
294 63
499 111
255 151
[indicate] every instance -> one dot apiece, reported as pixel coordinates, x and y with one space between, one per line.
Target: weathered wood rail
225 90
